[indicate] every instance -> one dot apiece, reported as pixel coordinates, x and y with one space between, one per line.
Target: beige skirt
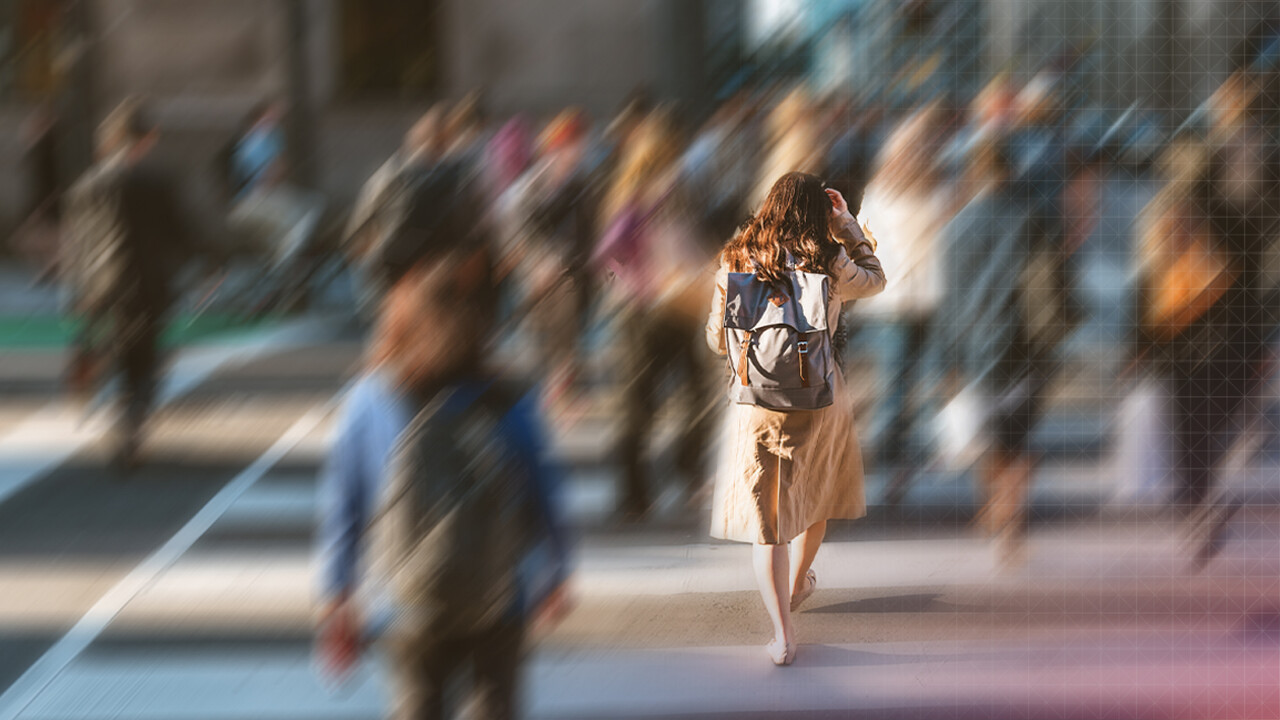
778 473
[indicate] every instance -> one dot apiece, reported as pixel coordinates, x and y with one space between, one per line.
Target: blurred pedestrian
437 479
717 172
464 135
376 213
508 155
783 474
792 143
909 200
551 210
1208 311
36 239
984 339
275 219
850 158
1039 151
126 240
660 272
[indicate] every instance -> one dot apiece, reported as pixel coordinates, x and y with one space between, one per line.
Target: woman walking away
790 459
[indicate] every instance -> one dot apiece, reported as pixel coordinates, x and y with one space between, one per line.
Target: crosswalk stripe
90 626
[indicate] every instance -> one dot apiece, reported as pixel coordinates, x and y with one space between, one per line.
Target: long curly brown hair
795 219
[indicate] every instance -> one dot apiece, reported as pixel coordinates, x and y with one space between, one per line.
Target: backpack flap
751 304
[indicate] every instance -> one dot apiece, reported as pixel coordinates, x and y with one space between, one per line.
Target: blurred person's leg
139 350
697 405
554 321
1003 516
90 357
1207 398
991 472
907 368
640 376
889 338
496 686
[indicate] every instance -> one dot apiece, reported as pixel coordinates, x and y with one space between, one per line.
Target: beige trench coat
780 472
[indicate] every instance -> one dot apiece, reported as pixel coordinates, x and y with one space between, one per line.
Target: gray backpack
96 261
457 515
779 346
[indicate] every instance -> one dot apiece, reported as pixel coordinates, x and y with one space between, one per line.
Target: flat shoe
786 657
811 584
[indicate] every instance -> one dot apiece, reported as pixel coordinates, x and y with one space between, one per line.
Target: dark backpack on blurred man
458 515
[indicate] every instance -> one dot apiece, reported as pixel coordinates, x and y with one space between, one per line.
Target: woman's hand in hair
840 215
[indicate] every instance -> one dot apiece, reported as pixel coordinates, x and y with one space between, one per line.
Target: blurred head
909 160
127 130
1184 166
463 122
794 219
1038 103
994 106
437 319
990 162
267 113
634 109
792 111
425 138
649 154
566 130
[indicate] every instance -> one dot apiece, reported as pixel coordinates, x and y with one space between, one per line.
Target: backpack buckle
802 347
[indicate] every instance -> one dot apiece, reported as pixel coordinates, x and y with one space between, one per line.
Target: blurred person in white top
909 199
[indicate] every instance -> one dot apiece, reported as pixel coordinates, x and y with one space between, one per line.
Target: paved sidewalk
1154 641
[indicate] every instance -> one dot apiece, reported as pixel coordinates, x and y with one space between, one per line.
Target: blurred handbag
1189 273
959 436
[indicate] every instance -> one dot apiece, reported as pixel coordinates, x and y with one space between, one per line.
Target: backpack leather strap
742 358
802 349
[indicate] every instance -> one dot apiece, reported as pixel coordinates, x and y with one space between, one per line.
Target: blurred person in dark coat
984 338
549 215
368 224
126 241
1208 310
660 274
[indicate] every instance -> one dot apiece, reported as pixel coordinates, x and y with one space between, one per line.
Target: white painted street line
224 587
90 626
43 442
198 363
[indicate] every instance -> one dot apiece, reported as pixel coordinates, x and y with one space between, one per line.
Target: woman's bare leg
770 563
803 550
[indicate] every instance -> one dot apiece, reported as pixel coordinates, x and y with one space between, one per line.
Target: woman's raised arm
856 270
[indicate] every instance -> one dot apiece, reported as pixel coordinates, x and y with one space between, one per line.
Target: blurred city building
371 65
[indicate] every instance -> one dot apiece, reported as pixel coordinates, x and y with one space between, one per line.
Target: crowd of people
592 254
